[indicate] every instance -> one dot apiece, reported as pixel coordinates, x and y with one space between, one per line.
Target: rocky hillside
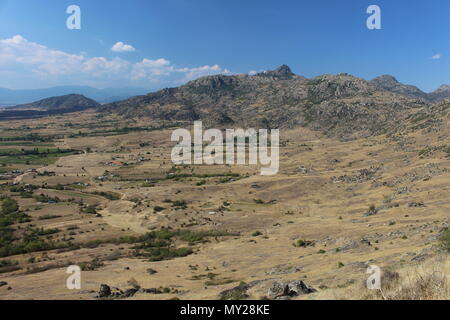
49 106
337 104
69 101
389 83
440 94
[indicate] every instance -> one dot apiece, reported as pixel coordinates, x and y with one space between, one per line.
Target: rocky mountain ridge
337 104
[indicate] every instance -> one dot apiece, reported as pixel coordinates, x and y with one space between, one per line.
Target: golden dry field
102 193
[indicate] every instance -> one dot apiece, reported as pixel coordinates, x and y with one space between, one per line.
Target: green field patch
107 194
70 193
25 144
36 156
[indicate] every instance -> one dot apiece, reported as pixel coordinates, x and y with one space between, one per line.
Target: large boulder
298 287
105 291
277 289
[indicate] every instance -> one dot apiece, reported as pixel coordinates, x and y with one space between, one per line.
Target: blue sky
178 40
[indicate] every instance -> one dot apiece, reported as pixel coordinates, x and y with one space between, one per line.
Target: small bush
92 265
159 254
49 217
9 206
89 210
444 240
303 243
179 204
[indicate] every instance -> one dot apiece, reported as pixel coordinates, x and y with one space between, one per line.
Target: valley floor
335 208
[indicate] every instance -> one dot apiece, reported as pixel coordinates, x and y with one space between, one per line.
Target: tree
9 206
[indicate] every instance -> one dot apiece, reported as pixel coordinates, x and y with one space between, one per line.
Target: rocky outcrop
107 292
389 83
282 72
442 93
281 290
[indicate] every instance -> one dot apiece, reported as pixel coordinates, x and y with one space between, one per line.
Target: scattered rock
239 292
151 291
105 291
357 176
116 293
282 290
358 265
151 271
371 212
278 289
283 269
416 204
298 287
129 293
302 170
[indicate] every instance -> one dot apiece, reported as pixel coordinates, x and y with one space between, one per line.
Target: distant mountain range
49 106
335 104
10 97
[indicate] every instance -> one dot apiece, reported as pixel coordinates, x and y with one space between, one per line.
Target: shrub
201 182
390 279
256 233
92 265
179 204
7 263
90 209
194 237
159 254
445 240
303 243
48 217
9 206
107 195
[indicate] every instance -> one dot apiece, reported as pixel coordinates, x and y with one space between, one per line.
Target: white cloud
122 47
99 65
28 62
19 52
436 56
197 72
151 69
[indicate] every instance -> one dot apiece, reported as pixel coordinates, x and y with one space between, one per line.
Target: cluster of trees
35 151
